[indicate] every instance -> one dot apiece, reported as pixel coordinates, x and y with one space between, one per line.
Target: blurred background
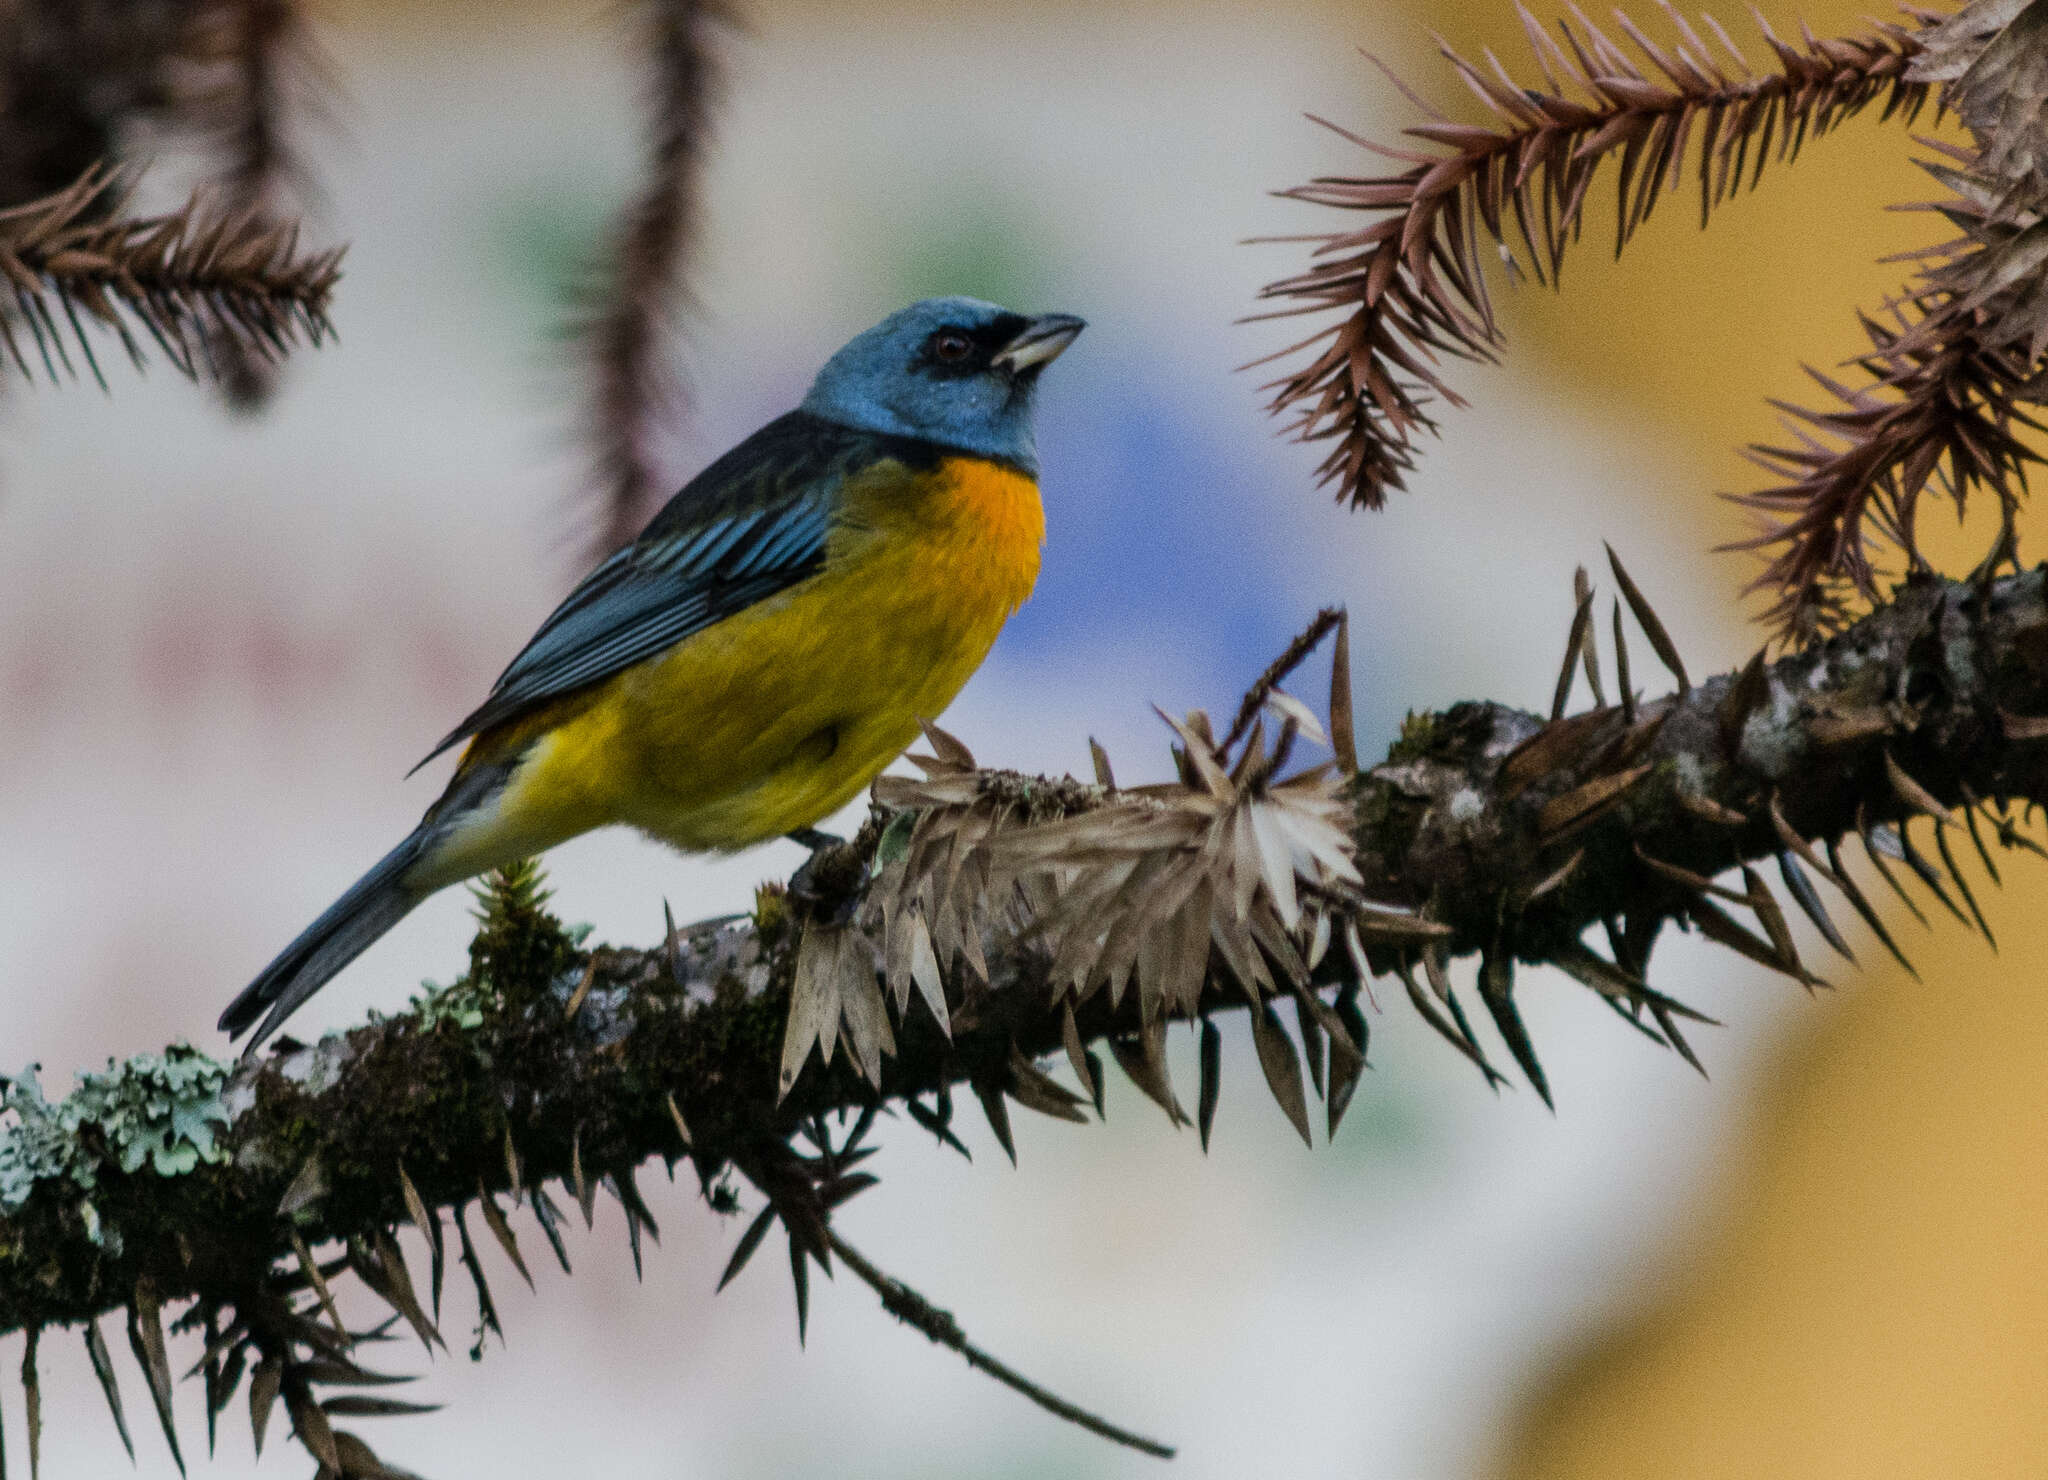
222 643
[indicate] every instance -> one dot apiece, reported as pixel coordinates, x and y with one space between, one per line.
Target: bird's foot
829 884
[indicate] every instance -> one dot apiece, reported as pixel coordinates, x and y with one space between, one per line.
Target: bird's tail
376 902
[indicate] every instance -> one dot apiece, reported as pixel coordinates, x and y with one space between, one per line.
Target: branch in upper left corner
79 267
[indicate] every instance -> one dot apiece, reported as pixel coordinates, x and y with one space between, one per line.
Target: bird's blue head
956 372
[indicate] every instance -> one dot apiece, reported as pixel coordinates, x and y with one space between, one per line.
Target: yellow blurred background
221 645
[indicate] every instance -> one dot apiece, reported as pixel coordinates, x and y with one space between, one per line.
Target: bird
769 642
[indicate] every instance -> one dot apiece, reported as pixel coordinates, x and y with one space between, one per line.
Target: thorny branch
1485 831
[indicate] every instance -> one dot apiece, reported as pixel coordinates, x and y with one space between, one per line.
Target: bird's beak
1039 343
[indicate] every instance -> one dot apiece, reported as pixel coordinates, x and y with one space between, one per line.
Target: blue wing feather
753 523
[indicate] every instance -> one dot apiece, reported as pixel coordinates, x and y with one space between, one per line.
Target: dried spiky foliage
1412 285
1143 890
1940 403
632 390
1935 408
192 280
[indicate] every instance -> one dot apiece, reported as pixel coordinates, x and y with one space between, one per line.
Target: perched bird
767 644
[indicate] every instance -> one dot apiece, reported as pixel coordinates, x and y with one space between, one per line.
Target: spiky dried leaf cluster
1240 865
1412 285
632 392
192 281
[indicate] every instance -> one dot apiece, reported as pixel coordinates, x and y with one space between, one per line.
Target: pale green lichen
160 1110
462 1002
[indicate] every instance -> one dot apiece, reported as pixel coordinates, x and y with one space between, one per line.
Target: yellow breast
780 714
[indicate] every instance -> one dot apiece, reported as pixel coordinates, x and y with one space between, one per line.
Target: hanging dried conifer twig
632 389
1943 389
1412 284
191 280
263 56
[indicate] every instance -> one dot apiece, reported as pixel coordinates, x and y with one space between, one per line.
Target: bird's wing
753 523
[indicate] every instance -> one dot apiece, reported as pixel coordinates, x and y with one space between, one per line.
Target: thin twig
914 1310
1262 688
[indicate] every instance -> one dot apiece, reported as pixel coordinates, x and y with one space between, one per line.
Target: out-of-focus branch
631 387
1411 285
75 263
264 54
1512 833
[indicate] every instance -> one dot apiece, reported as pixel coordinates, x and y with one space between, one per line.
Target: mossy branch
550 1062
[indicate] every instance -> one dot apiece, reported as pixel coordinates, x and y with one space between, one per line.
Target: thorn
1574 645
1346 1070
146 1340
1862 906
1497 991
800 1277
1458 1036
1104 776
1556 879
494 1220
586 1197
1717 925
103 1369
1077 1054
1582 589
1211 1057
1948 860
1764 905
311 1269
998 1113
1971 804
1802 892
1913 794
670 946
575 1002
1874 841
550 1219
32 1392
1621 674
749 1242
1917 862
1343 738
1281 1066
1646 618
1708 810
1749 690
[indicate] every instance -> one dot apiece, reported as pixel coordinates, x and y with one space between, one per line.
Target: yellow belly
780 714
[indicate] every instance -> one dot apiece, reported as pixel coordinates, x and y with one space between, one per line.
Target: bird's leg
828 886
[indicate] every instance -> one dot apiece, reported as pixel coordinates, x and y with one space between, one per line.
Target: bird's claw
829 884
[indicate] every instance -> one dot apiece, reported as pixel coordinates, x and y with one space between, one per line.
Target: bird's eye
950 346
